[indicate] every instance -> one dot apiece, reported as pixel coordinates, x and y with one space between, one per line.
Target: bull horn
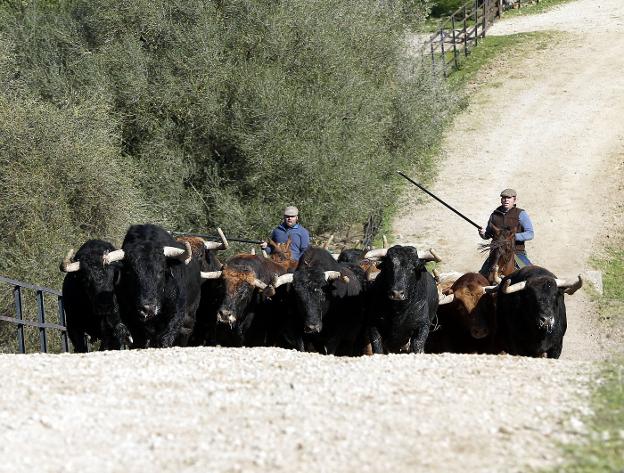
429 255
283 279
378 253
210 274
570 287
259 284
328 242
446 299
370 276
436 275
69 266
253 251
490 289
264 253
179 253
331 275
510 289
112 256
335 255
215 245
384 240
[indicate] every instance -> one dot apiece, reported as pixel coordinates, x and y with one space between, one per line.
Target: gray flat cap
291 211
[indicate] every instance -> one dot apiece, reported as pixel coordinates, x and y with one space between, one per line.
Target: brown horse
282 255
501 261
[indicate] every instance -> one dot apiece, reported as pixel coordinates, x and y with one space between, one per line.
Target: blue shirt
300 238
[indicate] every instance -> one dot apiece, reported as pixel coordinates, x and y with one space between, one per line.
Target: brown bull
245 316
466 318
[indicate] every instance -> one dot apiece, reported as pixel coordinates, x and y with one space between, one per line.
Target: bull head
70 266
429 255
570 287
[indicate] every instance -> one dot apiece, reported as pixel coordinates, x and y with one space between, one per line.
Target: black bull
89 298
404 302
531 312
159 288
329 298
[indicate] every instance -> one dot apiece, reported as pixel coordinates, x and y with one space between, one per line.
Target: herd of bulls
159 291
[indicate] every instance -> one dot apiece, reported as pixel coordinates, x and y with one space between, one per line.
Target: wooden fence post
465 34
442 51
455 61
476 19
485 14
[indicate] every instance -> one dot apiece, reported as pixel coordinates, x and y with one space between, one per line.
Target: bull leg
419 338
79 340
375 341
172 329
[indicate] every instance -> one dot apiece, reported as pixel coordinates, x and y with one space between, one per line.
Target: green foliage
495 48
62 182
536 8
443 8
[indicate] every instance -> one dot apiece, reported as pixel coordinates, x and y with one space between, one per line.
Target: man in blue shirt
290 228
509 216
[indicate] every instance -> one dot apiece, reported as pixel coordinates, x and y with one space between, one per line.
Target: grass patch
535 9
602 450
495 49
603 447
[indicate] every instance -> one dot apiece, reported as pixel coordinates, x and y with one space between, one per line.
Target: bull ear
346 284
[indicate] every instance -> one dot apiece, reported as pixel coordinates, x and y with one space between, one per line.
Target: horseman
511 218
290 228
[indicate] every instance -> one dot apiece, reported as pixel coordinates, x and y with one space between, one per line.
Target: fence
460 33
21 322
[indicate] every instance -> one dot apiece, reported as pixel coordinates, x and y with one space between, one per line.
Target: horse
501 260
282 255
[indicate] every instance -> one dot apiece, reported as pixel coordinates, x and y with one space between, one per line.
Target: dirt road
547 123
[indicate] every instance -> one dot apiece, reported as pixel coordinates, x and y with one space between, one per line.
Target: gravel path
552 129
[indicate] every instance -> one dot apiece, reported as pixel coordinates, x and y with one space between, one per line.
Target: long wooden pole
441 201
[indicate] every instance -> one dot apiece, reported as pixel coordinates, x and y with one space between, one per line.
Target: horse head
282 254
502 251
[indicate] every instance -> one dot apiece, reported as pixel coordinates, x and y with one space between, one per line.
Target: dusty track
551 129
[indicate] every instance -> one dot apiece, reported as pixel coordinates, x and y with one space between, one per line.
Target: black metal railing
41 324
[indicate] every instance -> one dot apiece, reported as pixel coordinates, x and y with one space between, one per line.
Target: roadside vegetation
494 49
535 8
603 451
603 446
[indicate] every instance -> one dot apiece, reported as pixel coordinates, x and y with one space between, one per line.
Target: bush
442 8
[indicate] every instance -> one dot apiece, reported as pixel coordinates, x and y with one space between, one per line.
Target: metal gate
20 322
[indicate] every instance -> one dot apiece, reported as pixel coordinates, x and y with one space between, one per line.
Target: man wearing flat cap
290 228
509 216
